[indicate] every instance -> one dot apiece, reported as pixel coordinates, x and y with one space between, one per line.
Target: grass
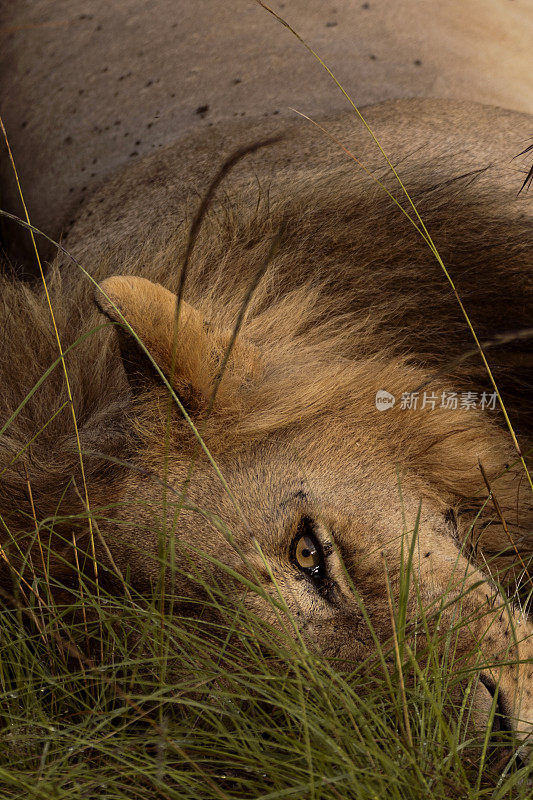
104 695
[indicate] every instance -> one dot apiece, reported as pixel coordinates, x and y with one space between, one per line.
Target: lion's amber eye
306 550
306 553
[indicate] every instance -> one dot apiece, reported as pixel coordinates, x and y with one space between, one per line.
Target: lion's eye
306 553
306 550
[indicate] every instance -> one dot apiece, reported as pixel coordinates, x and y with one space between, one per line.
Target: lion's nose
501 721
482 707
502 747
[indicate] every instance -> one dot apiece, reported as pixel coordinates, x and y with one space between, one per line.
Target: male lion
319 484
321 488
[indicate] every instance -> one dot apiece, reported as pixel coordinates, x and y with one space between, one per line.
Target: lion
296 475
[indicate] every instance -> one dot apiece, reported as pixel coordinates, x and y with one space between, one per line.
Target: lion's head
302 485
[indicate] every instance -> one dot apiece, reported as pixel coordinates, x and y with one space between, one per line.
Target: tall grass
235 709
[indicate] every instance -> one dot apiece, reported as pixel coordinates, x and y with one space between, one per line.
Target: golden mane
352 302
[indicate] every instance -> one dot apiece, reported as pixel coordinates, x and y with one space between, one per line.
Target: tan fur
352 302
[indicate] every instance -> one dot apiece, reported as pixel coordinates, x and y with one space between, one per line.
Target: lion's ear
190 356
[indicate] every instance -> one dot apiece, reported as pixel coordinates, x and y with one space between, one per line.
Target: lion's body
126 79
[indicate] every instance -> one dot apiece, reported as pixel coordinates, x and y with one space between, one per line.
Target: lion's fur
328 340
